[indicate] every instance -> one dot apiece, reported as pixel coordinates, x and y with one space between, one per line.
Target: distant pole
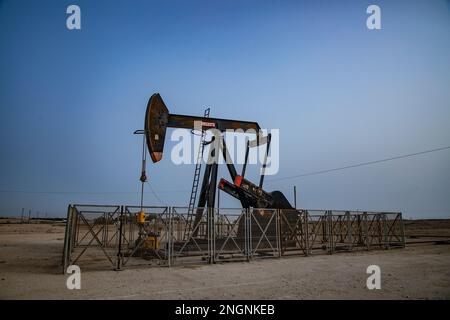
23 209
29 215
295 197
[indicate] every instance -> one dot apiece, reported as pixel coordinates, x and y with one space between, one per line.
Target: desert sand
30 257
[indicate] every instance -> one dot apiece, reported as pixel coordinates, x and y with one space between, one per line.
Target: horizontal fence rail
121 236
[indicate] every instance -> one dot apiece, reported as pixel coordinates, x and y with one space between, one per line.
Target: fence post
74 229
169 237
250 234
306 233
66 251
247 234
385 232
119 251
349 231
75 218
328 231
278 231
211 234
366 229
402 229
105 229
214 233
332 232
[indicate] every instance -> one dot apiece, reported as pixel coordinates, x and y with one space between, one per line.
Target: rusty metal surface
158 119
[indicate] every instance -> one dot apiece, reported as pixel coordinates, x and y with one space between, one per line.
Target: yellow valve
141 217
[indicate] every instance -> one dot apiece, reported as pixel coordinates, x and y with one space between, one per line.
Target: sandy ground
30 258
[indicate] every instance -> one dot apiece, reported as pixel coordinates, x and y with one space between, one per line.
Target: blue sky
338 92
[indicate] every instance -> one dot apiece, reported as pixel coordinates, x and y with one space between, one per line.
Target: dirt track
30 256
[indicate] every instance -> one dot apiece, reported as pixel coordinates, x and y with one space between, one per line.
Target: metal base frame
112 234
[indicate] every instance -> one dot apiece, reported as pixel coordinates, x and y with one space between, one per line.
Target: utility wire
88 192
358 165
155 195
268 181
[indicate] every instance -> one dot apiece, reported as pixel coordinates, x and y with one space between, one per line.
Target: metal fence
91 235
112 235
144 243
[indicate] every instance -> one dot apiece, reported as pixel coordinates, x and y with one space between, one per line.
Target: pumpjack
158 119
